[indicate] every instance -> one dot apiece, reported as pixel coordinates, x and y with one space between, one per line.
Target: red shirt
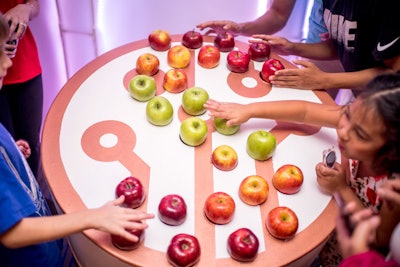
26 63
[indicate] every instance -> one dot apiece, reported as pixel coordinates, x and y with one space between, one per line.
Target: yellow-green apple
238 61
224 157
269 68
259 51
219 208
242 245
172 209
253 190
193 100
125 244
192 39
175 81
184 250
142 87
261 145
282 222
147 64
178 57
225 41
159 111
222 128
132 189
288 179
159 40
208 56
193 131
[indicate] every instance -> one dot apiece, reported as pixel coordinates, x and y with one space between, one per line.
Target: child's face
5 62
360 133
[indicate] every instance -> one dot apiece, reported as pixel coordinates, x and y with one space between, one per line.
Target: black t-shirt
365 32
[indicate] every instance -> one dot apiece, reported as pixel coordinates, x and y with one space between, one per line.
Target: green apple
222 128
159 111
193 131
193 100
261 145
142 87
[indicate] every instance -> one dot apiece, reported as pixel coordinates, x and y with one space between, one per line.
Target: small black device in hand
329 157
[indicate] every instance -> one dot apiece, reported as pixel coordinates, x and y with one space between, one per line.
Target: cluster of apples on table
219 208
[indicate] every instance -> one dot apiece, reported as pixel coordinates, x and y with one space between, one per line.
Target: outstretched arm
289 110
109 218
273 20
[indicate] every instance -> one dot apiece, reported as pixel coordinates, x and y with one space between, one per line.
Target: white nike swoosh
381 48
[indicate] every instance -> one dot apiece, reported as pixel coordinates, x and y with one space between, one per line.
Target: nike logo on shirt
381 48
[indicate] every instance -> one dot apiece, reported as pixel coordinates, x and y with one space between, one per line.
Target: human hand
308 76
278 45
331 180
18 17
234 113
217 26
117 220
390 192
24 147
364 232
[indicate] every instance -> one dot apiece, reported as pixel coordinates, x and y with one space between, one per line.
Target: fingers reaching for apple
233 113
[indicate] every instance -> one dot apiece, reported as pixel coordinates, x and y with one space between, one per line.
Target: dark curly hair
383 96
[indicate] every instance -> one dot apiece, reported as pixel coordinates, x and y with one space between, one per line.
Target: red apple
282 222
133 190
224 157
192 39
175 81
219 208
208 56
259 51
125 244
238 61
147 64
269 68
184 250
172 209
178 57
225 41
288 179
159 40
253 190
243 245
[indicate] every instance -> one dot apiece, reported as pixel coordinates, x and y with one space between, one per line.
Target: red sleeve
368 259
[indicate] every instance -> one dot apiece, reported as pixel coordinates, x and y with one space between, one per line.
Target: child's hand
234 113
116 220
331 179
366 223
24 147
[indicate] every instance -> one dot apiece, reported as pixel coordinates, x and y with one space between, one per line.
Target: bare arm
390 211
109 218
273 20
35 8
290 110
